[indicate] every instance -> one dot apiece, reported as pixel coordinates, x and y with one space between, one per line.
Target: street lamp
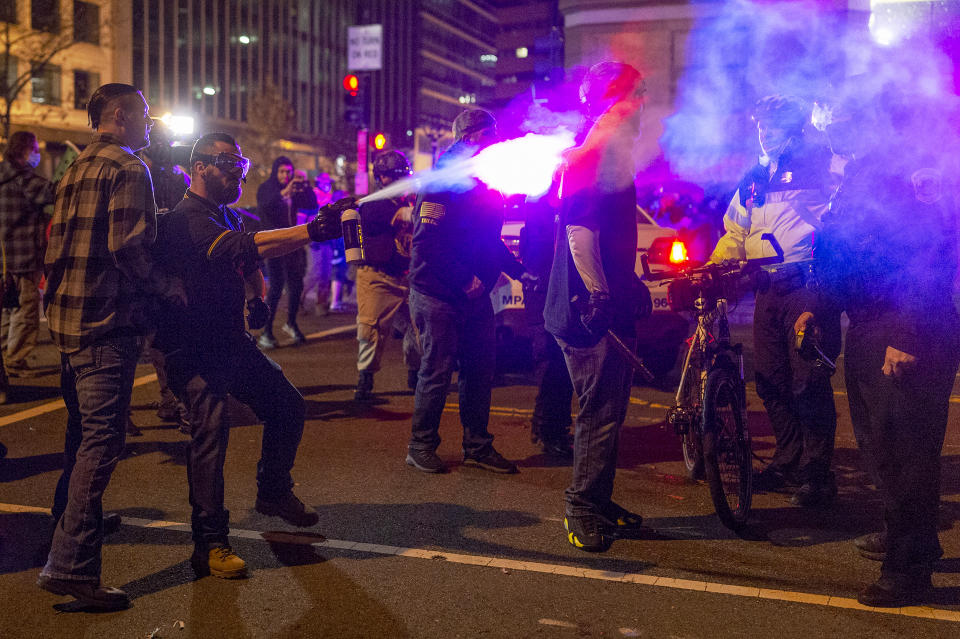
179 125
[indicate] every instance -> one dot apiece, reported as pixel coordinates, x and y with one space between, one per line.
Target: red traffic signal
379 141
351 84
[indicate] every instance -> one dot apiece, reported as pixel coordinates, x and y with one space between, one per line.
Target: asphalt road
398 553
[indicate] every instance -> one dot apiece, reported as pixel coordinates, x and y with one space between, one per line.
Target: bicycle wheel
727 455
692 438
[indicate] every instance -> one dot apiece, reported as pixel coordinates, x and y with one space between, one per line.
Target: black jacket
274 210
887 251
456 236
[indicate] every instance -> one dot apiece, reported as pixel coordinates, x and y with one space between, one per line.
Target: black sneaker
492 461
896 592
425 461
557 448
364 392
872 546
620 522
586 532
772 479
88 593
288 508
819 494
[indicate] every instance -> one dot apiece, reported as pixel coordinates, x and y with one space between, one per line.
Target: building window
8 11
45 15
8 74
45 85
522 52
84 84
86 22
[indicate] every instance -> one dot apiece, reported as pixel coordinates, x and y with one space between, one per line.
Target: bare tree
271 119
35 49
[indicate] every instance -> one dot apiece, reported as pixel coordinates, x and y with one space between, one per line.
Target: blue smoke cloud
809 50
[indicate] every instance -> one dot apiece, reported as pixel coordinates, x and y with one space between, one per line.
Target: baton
630 356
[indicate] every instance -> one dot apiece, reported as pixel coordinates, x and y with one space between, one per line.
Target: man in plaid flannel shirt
24 196
100 281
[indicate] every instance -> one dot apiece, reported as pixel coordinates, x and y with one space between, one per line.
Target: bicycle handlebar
723 268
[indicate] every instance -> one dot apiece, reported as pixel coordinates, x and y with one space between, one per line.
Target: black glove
753 186
598 314
258 313
326 224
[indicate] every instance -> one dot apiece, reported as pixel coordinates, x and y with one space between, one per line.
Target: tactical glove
598 314
326 224
258 313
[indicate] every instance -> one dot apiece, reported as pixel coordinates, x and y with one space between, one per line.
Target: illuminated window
522 52
45 85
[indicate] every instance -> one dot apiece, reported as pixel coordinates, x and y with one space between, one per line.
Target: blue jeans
96 383
601 378
462 333
203 378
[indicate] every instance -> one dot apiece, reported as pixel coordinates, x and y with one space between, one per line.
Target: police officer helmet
607 83
391 164
782 112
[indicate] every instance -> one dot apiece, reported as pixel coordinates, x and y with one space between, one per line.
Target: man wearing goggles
209 355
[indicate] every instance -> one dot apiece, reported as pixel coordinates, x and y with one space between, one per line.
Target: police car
660 335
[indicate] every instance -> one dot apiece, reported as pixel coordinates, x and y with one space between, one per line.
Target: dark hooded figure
895 282
278 200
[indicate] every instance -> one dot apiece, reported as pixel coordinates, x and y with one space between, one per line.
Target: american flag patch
432 211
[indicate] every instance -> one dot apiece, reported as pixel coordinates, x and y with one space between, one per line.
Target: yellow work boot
220 561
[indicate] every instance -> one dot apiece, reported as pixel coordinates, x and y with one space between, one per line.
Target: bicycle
709 414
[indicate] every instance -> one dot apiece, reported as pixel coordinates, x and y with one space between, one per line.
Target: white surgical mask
33 159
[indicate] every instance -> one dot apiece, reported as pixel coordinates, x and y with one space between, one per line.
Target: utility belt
786 278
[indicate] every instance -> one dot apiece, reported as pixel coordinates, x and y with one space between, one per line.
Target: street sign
365 47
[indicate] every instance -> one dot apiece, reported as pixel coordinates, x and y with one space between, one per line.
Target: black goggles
226 162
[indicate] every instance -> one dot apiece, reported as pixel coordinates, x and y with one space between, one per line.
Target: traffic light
354 101
379 141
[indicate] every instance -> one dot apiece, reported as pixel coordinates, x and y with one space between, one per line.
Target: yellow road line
732 590
49 407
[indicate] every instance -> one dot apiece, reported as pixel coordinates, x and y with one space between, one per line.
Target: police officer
456 258
382 287
209 355
592 290
785 195
887 253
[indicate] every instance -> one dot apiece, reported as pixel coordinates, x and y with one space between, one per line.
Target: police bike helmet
607 83
391 164
783 112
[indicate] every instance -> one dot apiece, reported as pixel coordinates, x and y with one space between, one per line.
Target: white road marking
655 581
49 407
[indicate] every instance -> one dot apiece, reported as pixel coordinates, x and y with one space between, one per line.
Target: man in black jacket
209 355
592 290
456 258
278 200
